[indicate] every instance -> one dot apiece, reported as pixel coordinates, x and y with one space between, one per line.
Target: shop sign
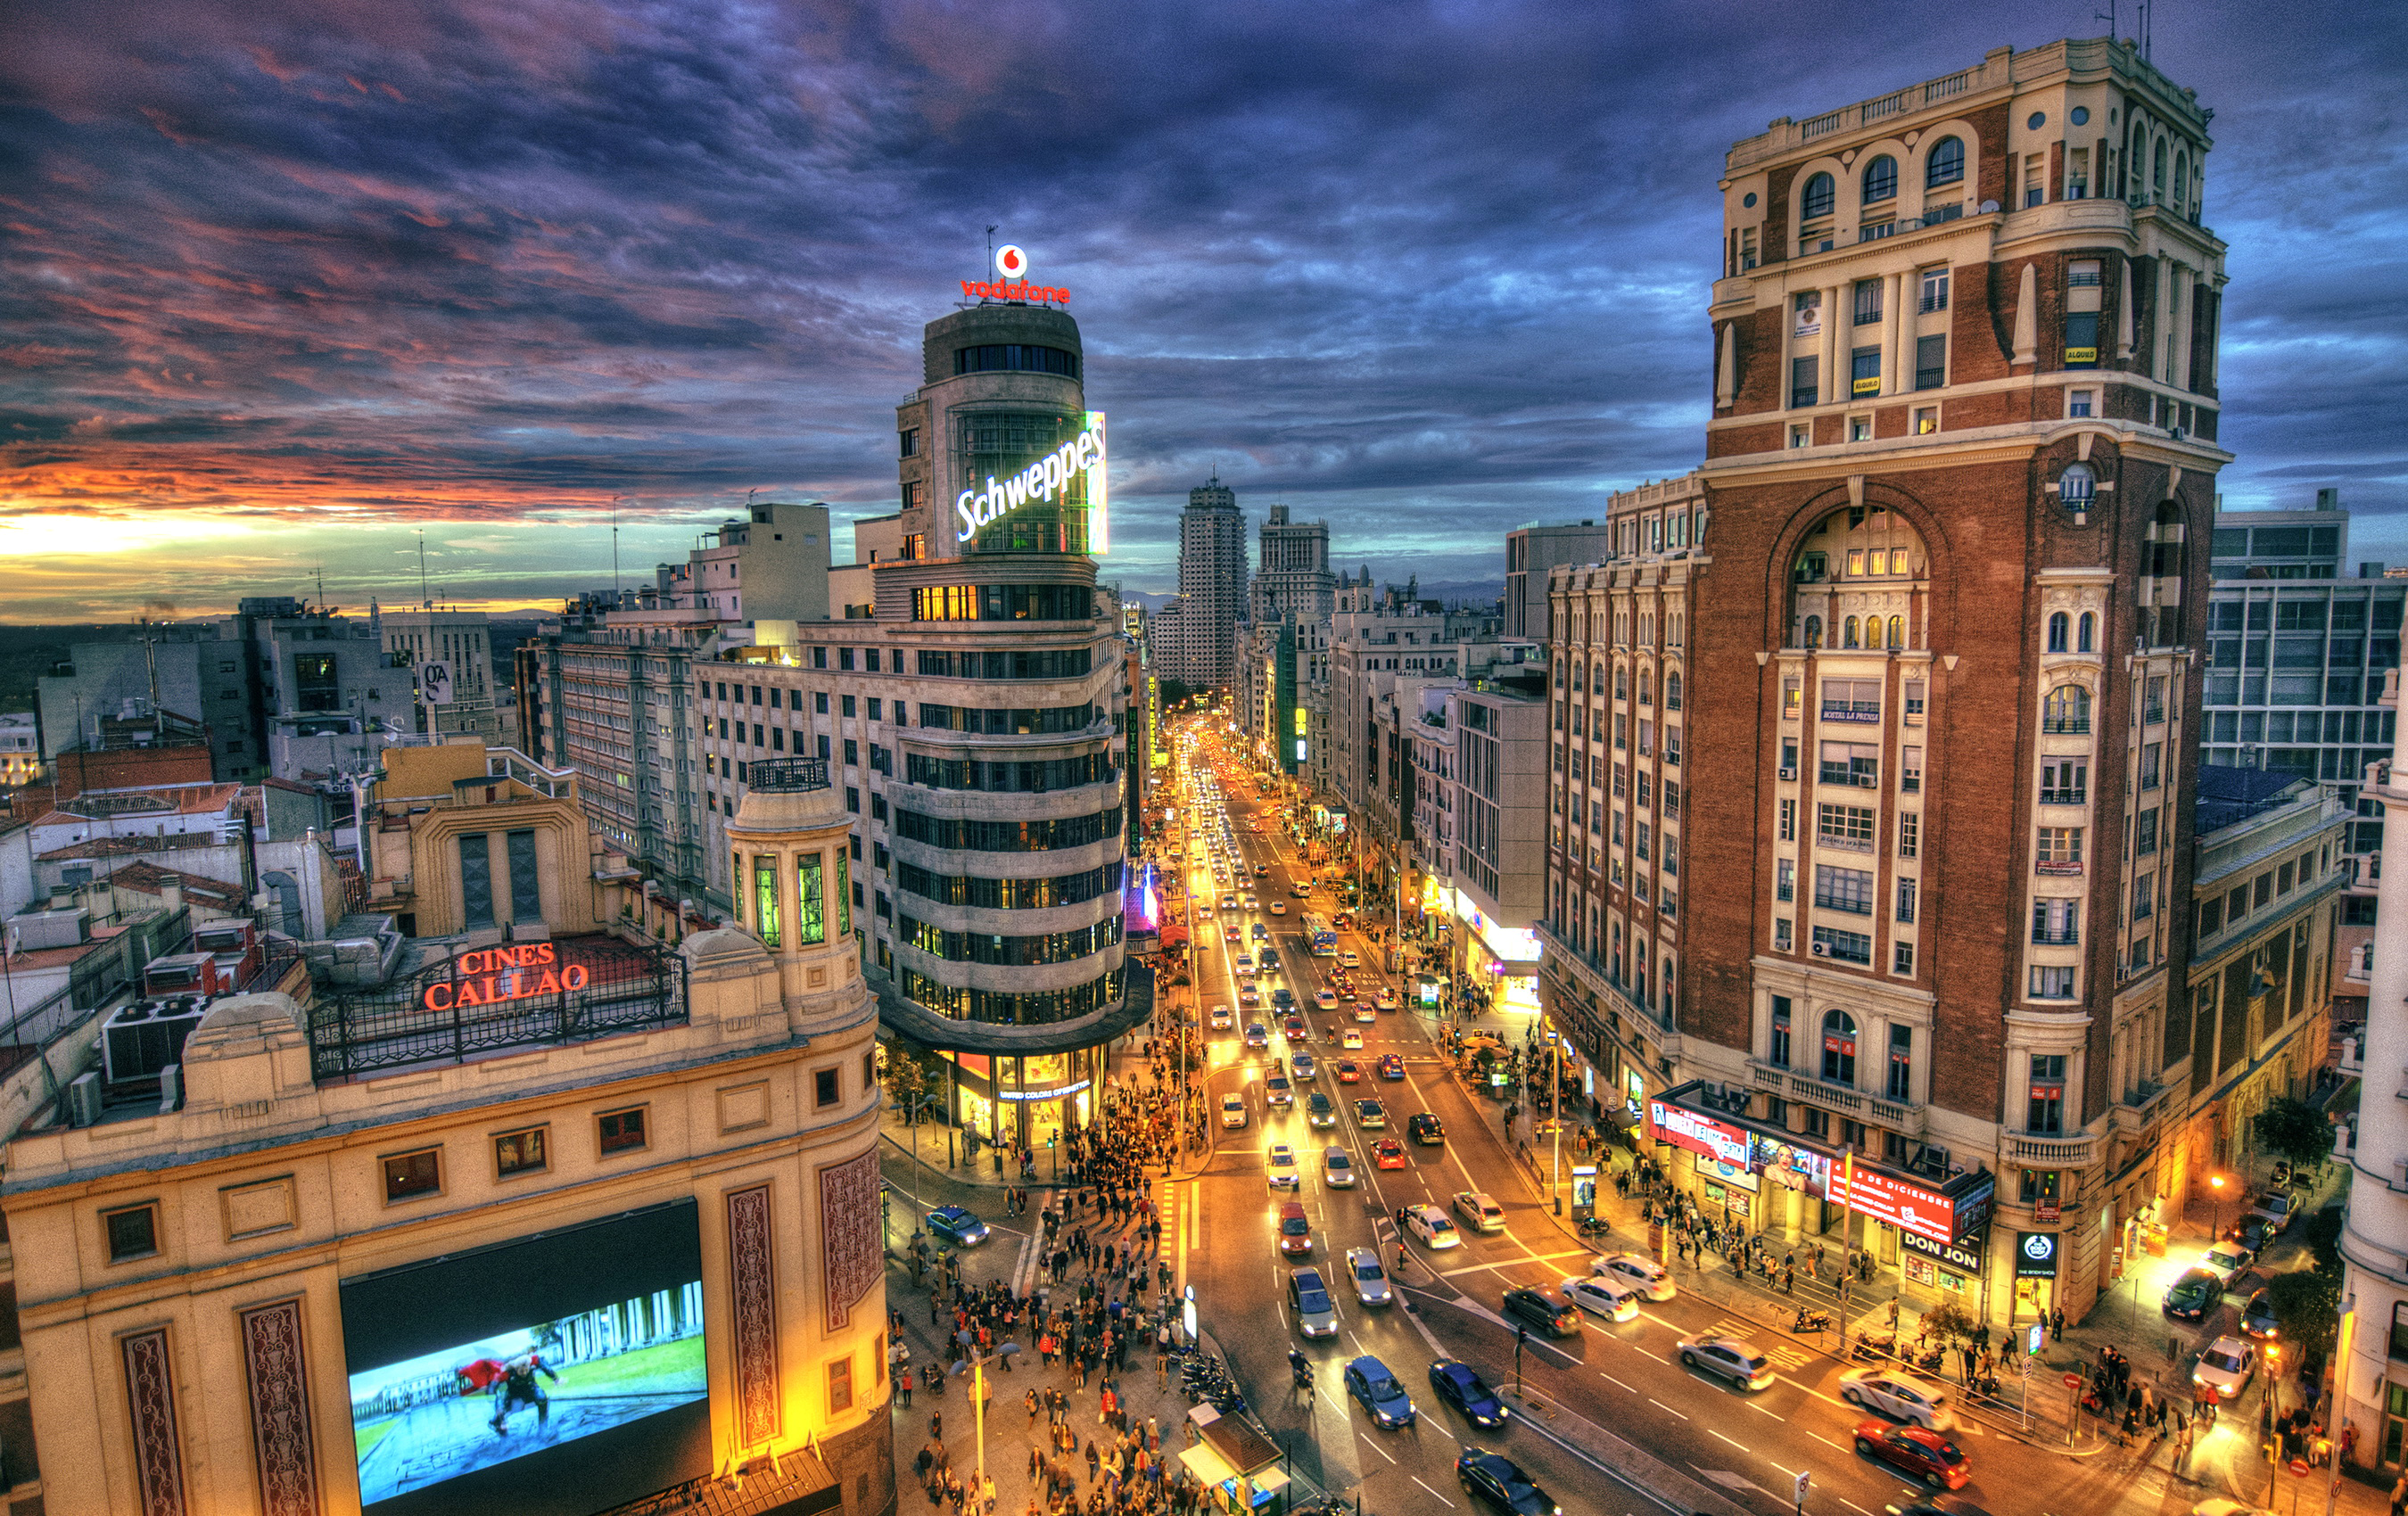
1698 1133
493 974
2047 1210
1057 1094
1965 1256
2035 1255
1902 1203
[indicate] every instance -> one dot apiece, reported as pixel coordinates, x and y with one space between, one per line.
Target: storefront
2036 1257
1024 1101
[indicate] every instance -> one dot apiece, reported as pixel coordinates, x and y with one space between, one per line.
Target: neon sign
1083 456
1013 263
492 976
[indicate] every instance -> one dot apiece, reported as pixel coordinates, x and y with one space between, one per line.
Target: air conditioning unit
84 1101
171 1089
1822 950
1789 773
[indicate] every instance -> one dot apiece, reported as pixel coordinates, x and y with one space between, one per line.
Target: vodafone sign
1698 1133
1011 267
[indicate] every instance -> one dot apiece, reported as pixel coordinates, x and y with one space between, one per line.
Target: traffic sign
2299 1468
2072 1381
1803 1477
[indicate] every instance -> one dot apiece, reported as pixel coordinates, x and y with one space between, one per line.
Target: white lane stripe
1740 1446
1660 1406
1441 1499
1601 1374
1824 1441
1376 1448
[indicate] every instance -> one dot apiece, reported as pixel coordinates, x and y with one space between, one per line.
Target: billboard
1699 1134
1912 1206
434 681
556 1375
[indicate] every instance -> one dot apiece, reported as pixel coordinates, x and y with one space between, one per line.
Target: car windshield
1756 1363
2221 1358
1292 1226
1338 1160
1950 1453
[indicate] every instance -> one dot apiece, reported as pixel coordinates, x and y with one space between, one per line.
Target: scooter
1594 1226
1819 1320
1873 1349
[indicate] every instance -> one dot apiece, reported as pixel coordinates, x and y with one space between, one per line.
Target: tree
1949 1323
2307 1307
911 1075
2295 1130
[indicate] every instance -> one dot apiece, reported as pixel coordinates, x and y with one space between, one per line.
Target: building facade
449 657
1292 574
1531 552
1200 648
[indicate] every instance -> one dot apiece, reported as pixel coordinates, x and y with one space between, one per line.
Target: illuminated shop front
1024 1101
1501 960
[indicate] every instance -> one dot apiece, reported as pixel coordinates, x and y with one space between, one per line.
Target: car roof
1367 1365
1295 1205
1307 1274
2232 1344
950 1211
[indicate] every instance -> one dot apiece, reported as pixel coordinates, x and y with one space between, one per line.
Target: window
520 1152
2152 703
1843 889
1901 958
1847 947
1805 380
2057 923
2059 625
1792 698
2051 982
1802 436
909 439
2045 1113
1781 938
2080 402
1852 700
1844 826
1881 179
1909 833
1839 1047
1785 878
2067 710
1778 1053
409 1176
1788 827
839 1374
1864 378
2064 782
1860 429
1816 1122
2151 760
1930 361
2039 1187
1851 763
1901 1050
1915 692
619 1130
2087 640
1819 197
133 1231
2082 339
826 1087
1867 301
476 880
1906 901
1945 164
2060 849
2145 897
1927 420
2144 835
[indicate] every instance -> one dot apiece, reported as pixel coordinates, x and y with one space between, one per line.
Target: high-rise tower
1293 578
1212 586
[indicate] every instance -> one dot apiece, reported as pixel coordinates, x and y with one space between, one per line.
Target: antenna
2108 16
2148 27
614 544
425 601
322 586
988 272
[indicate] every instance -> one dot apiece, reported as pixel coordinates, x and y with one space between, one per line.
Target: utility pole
975 1367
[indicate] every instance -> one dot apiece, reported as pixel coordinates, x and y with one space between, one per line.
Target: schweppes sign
496 975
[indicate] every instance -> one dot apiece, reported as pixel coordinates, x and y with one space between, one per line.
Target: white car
1480 1209
1900 1396
1371 1280
1650 1279
1599 1296
2226 1367
2226 1260
1222 1018
1387 999
1233 1111
1203 914
1252 904
1429 1226
1350 959
1280 1167
1338 1169
1324 999
1246 965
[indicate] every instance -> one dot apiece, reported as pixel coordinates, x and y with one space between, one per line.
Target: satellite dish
1988 207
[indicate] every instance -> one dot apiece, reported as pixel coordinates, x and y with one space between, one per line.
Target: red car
1347 1072
1388 1153
1922 1454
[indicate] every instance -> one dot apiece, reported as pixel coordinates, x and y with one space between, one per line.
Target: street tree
2295 1130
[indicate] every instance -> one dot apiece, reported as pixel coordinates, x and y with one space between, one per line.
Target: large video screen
554 1375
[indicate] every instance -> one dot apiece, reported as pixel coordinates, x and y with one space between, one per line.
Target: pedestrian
1893 1313
2056 1325
937 1426
2400 1496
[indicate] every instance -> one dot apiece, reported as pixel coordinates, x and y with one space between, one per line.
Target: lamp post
975 1367
2215 1211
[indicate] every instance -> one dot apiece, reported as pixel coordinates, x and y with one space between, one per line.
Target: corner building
1944 667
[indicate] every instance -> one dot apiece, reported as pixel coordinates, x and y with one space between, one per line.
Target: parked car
2193 1295
2226 1367
1497 1483
2280 1207
2226 1260
2258 1317
1541 1310
1924 1455
957 1226
1727 1358
1899 1395
1316 1317
1368 1381
1467 1392
1371 1280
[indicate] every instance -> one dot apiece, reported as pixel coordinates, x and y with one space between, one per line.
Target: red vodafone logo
1010 261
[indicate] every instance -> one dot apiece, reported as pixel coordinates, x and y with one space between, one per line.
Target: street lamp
975 1367
2216 1229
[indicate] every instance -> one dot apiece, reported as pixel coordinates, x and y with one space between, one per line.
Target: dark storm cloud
1430 272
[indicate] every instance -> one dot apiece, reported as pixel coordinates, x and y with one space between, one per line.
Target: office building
1939 679
450 665
1199 648
1531 552
1292 574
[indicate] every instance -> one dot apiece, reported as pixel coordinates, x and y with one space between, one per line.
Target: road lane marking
1660 1406
1852 1505
1603 1375
1376 1448
1817 1393
1740 1446
1636 1348
1824 1441
1441 1499
1760 1410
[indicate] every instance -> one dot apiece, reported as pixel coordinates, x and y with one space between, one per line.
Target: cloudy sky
285 282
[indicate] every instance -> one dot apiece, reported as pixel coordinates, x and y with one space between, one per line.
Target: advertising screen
554 1375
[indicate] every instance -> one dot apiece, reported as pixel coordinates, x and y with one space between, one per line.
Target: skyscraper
1293 578
1202 647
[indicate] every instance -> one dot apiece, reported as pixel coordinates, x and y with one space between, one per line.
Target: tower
1001 394
1211 585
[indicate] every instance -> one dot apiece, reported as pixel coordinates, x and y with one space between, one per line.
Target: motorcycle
1594 1226
1930 1360
1819 1320
1302 1368
1875 1348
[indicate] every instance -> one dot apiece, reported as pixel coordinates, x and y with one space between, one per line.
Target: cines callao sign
1045 481
500 974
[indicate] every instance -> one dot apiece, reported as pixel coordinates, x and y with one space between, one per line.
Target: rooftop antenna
614 544
2108 16
322 587
425 601
989 271
2148 28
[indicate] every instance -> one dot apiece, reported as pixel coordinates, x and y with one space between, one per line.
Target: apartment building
1531 553
1940 660
450 656
1197 645
1480 806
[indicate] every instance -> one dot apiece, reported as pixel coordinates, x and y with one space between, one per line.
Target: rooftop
2228 795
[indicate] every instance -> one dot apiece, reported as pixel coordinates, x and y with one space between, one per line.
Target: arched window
1621 682
1672 691
1559 676
1579 683
1946 164
2067 712
1881 179
1873 633
2077 488
1597 679
1839 1047
1818 198
2089 641
2135 162
1646 688
2058 626
2182 181
1813 631
1848 638
1898 632
2157 173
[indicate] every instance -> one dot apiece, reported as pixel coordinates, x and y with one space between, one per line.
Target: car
1350 1040
1284 999
1304 1065
1245 963
2226 1367
1222 1018
1325 1000
1257 1034
1543 1310
1426 1129
1279 1167
1293 1029
1270 959
1371 1280
1391 1066
1368 1381
1301 889
1316 1317
2255 1232
1497 1483
1942 1504
1228 902
958 1227
1899 1395
1318 1111
1338 1169
1429 1226
1388 1153
1370 1115
1250 903
1480 1210
1349 958
2221 1507
2258 1317
1364 1014
1203 914
1233 1111
1609 1298
1249 997
1294 1230
2280 1207
1923 1455
1233 934
1261 933
1726 1358
1347 1071
2225 1261
1460 1386
1279 907
1262 871
2193 1295
1633 1271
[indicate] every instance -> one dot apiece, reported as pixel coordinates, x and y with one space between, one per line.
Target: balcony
2022 1149
2141 1109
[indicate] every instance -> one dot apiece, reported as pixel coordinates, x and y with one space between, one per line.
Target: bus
1318 935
